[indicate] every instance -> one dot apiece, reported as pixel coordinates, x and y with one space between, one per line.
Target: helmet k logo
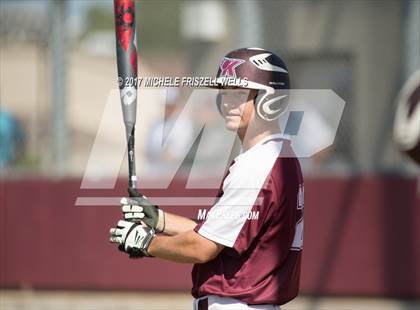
228 66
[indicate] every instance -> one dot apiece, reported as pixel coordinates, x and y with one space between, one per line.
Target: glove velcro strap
148 239
160 225
139 252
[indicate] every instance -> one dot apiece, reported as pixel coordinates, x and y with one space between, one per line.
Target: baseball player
247 252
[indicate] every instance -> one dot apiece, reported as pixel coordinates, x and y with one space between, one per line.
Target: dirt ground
85 300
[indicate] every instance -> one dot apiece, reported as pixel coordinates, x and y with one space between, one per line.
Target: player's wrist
152 246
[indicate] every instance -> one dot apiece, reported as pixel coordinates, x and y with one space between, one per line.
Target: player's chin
232 123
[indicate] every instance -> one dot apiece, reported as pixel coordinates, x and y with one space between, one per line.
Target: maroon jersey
259 219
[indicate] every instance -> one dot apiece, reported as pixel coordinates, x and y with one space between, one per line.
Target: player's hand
138 209
133 238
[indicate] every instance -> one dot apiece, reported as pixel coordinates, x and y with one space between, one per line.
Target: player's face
237 107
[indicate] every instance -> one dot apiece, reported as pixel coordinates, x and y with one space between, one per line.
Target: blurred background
57 68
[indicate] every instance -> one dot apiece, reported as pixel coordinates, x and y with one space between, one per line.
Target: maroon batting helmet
256 68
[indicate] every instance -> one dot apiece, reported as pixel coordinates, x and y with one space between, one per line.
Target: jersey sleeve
241 210
226 218
259 220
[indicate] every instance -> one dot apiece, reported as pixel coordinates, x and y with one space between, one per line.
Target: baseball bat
125 30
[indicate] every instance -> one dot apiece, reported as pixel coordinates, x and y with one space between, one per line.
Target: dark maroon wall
361 238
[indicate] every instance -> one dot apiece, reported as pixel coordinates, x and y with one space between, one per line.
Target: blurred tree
99 18
158 24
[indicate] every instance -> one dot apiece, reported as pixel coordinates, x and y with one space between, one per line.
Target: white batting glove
133 237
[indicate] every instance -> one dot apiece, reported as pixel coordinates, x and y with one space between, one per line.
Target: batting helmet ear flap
270 105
